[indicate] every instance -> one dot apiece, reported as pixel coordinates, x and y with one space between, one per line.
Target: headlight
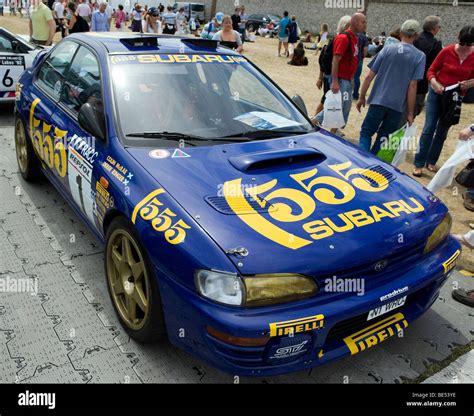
220 287
439 234
251 291
277 288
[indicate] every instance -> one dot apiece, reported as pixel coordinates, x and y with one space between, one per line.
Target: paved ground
69 332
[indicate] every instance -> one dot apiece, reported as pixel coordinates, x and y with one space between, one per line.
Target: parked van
195 10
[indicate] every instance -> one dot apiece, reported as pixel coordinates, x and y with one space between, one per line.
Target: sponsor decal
117 170
176 59
81 157
178 153
162 219
49 143
295 326
296 204
451 262
103 201
11 68
159 154
289 351
376 333
396 292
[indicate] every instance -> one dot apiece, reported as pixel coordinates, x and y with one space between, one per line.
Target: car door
85 153
13 61
40 101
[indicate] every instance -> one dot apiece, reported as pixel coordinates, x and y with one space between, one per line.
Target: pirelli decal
296 325
451 262
376 333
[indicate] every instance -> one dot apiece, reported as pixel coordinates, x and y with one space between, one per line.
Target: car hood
308 204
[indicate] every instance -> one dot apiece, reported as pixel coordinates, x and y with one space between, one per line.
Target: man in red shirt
345 52
344 63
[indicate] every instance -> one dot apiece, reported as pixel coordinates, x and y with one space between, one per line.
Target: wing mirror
92 120
15 46
299 102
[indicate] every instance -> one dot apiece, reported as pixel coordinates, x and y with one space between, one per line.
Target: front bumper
336 329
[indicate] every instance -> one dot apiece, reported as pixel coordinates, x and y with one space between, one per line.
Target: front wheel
132 284
26 158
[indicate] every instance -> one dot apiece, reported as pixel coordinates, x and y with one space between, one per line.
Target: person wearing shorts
283 34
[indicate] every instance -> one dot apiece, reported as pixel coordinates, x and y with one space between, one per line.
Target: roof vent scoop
140 42
274 159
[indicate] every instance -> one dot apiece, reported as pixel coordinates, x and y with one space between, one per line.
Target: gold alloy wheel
128 279
20 146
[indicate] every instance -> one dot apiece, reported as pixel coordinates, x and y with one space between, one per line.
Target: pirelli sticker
295 326
376 333
451 262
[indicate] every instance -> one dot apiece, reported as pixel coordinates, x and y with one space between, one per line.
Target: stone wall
382 15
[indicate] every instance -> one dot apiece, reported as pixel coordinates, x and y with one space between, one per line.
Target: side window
5 44
53 70
82 83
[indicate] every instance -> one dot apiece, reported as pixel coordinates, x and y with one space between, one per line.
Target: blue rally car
232 225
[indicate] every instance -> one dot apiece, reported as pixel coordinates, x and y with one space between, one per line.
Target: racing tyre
132 284
26 158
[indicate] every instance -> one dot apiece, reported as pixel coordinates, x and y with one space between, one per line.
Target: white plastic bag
444 177
401 154
333 117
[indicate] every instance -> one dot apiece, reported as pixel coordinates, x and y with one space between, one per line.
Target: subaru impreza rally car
231 224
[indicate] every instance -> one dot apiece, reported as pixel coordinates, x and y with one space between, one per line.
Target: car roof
118 42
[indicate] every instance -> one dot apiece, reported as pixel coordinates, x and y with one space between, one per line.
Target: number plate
11 67
386 308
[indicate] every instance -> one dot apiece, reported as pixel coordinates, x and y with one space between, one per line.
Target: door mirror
299 102
92 121
15 46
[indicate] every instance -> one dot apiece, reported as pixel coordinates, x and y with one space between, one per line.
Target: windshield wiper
165 135
265 134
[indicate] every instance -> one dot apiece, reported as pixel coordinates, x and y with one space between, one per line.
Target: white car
16 54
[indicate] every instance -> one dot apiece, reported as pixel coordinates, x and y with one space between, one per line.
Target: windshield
197 7
274 17
210 96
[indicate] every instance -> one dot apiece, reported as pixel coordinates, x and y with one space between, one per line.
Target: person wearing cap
397 68
211 28
151 20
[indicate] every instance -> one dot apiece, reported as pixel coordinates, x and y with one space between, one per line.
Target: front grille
352 325
396 261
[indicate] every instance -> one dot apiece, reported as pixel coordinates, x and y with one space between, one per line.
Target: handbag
451 101
466 176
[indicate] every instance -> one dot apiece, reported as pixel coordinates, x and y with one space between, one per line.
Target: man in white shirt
181 20
58 15
110 11
84 11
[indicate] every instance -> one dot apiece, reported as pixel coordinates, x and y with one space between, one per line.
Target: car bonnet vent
247 206
277 159
377 175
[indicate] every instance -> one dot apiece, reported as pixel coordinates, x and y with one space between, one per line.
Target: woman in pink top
120 18
454 65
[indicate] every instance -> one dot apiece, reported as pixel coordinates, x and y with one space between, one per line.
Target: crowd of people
409 70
